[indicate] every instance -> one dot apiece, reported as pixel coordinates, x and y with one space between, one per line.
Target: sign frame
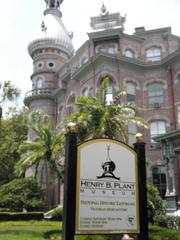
106 141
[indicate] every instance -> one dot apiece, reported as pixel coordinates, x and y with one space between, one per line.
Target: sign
107 188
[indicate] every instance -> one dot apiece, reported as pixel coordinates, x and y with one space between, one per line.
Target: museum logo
108 167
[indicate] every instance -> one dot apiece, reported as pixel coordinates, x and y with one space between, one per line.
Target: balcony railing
37 93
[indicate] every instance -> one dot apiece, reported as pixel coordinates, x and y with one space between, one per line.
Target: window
70 105
159 179
111 50
129 53
107 48
153 54
39 83
155 94
177 80
156 128
61 113
109 94
40 65
131 92
132 130
102 49
50 64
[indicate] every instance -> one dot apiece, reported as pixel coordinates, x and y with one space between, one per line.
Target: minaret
50 49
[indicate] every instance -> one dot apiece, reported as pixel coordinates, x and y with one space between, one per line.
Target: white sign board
107 188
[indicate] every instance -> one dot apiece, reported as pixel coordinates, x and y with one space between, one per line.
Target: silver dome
52 34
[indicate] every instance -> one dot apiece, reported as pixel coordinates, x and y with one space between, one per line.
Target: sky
19 19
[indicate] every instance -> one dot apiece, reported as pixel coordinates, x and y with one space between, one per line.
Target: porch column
172 159
166 159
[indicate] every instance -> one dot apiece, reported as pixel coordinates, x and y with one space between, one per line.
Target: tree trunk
48 188
1 111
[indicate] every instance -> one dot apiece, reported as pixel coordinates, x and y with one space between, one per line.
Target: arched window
155 92
129 53
39 83
157 127
109 93
153 54
70 105
61 113
131 92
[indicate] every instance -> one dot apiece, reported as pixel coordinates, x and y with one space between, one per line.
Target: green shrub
21 216
171 222
156 206
159 233
21 193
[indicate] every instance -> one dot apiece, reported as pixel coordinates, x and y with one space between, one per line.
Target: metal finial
71 127
104 10
139 137
43 26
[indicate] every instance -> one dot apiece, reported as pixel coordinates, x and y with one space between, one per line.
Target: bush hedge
171 222
159 233
156 206
22 193
20 216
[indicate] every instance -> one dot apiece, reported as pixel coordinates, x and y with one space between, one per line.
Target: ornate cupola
52 32
50 48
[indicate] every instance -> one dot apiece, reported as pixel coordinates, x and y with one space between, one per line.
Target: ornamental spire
104 10
53 7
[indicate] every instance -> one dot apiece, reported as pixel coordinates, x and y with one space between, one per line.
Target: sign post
139 147
69 204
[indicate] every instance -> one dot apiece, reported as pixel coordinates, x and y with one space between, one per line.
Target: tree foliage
155 203
21 193
12 133
95 119
46 147
8 92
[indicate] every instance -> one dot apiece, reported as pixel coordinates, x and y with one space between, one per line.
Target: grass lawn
40 230
27 230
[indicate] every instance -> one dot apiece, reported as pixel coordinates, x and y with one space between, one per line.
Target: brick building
147 63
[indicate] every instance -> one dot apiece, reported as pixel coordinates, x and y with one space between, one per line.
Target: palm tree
94 118
44 150
46 147
7 92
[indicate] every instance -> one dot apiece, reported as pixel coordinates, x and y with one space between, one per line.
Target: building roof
172 135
